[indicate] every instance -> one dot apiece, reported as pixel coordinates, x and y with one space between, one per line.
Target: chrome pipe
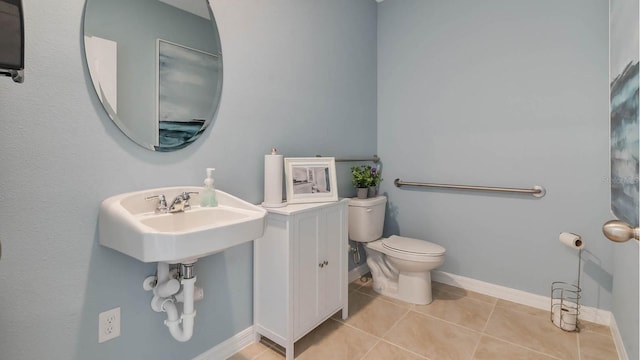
187 271
537 191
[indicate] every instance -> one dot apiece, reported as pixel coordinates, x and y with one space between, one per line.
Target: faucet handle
160 198
162 203
186 196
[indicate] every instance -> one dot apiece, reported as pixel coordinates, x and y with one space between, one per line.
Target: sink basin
129 224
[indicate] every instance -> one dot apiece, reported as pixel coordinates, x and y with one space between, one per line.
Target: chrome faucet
181 202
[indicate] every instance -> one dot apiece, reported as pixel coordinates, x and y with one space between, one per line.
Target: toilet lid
414 246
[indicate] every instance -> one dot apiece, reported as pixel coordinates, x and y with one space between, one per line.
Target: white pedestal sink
129 224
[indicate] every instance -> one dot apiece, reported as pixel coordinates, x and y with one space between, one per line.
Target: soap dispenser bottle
208 197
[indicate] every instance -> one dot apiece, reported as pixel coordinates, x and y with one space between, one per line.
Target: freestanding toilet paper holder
565 302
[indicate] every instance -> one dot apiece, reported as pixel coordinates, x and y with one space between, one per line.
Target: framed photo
310 179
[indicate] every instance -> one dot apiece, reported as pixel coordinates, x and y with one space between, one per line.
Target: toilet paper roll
571 240
273 170
565 315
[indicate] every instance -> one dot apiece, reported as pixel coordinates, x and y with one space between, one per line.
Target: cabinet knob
326 263
321 265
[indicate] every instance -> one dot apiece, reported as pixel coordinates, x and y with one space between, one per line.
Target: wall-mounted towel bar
537 191
374 158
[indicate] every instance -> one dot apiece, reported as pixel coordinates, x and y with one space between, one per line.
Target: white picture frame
310 180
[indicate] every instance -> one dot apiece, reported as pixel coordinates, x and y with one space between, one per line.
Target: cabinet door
305 273
331 250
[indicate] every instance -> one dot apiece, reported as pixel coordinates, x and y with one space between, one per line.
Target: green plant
361 176
365 176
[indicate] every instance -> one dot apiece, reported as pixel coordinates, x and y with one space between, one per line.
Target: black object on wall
12 39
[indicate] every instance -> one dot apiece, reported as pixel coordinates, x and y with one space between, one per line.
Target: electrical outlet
108 325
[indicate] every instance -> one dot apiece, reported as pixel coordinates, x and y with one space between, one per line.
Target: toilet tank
366 218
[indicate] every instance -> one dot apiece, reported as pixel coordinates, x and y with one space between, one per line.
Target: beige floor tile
386 351
420 332
278 348
436 286
492 349
433 338
596 328
372 315
270 354
333 340
353 286
594 346
250 352
524 308
458 308
532 331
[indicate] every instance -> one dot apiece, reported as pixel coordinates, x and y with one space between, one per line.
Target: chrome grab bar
537 191
374 158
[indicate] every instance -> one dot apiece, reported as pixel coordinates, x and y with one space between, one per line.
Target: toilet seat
410 246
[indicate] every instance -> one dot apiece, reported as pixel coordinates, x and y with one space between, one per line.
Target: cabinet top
292 209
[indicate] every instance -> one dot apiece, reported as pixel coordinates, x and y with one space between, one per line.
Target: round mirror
156 66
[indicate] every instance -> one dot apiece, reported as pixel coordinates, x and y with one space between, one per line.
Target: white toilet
400 266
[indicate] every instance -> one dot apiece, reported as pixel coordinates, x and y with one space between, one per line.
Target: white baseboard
230 346
617 339
587 313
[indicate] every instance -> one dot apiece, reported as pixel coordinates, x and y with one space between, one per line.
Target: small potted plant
362 179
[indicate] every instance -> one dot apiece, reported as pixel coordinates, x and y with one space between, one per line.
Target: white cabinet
300 270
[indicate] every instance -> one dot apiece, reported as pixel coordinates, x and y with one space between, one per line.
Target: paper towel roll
571 240
273 170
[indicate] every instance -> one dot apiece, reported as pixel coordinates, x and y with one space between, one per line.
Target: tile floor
458 324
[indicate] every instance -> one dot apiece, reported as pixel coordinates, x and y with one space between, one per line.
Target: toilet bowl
400 266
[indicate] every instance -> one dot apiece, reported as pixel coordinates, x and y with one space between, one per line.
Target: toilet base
413 288
399 278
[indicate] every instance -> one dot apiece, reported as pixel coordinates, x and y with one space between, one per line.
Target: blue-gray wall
625 295
300 76
499 93
511 93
